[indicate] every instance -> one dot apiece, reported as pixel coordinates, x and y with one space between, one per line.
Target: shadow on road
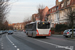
41 37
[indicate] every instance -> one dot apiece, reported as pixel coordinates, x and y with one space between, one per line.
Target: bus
35 29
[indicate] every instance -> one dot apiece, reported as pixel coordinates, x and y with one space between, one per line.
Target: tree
40 11
26 21
71 18
6 25
3 11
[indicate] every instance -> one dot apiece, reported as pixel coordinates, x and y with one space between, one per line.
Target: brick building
43 12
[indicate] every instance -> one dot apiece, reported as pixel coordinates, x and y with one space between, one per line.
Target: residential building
35 17
18 26
41 14
57 14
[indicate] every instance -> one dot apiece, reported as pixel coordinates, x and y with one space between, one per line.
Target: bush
52 29
60 27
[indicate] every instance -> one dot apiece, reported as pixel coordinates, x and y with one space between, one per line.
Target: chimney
57 2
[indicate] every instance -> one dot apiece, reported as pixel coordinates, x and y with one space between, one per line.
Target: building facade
18 26
41 14
57 14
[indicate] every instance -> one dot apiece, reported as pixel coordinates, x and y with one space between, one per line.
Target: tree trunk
72 33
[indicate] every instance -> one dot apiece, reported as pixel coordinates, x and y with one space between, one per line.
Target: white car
68 33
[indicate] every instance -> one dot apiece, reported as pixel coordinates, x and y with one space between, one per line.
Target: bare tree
3 11
71 17
26 21
33 18
40 11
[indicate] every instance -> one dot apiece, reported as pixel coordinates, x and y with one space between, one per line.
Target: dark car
1 32
10 32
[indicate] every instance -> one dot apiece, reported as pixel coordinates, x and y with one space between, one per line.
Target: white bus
38 29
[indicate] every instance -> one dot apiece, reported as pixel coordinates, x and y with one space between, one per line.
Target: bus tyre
32 35
44 36
27 35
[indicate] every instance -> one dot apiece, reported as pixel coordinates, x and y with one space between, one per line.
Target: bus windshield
42 25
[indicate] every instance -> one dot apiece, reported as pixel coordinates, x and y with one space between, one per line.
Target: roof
59 7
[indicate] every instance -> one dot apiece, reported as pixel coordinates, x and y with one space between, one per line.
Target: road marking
12 43
15 46
2 48
57 46
2 45
18 49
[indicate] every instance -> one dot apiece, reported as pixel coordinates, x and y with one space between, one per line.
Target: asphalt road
19 41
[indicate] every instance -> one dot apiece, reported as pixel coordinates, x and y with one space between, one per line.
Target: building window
49 10
57 8
54 9
62 5
68 2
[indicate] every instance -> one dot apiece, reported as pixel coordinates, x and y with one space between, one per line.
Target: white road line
2 48
18 49
15 46
2 45
57 46
12 43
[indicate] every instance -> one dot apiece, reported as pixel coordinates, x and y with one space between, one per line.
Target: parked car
6 31
68 33
10 32
1 32
15 30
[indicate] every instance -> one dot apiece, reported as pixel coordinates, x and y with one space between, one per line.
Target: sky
21 10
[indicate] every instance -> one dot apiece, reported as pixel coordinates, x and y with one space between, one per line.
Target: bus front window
43 25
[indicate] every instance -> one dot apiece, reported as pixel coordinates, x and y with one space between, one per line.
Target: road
19 41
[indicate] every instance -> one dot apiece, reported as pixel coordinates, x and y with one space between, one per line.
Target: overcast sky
21 10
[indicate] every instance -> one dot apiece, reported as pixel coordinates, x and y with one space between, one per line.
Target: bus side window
30 27
34 27
26 28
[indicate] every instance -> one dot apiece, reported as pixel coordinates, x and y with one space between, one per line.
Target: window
43 25
68 2
66 31
34 27
30 26
71 30
62 5
57 8
49 10
53 9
